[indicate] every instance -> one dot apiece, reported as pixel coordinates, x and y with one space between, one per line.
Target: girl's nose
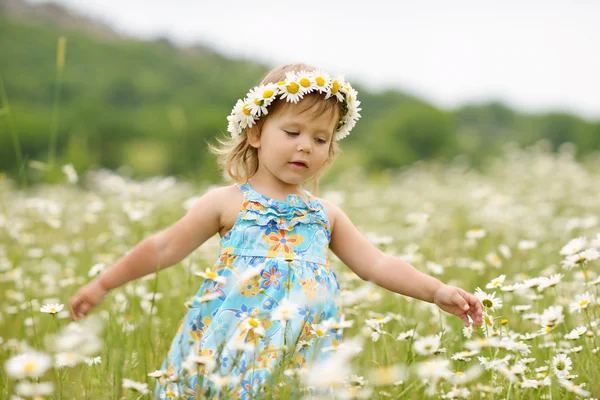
305 144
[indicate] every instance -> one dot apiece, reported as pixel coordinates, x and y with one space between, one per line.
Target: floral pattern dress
270 302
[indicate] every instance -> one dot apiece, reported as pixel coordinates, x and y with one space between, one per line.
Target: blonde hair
239 160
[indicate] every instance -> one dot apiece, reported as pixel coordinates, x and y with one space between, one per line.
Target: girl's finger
83 310
461 302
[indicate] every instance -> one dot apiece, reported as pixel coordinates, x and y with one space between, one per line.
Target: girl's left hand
453 300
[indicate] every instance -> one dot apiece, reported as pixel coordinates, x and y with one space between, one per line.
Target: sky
535 56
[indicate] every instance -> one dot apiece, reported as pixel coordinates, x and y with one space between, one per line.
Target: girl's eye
292 133
321 140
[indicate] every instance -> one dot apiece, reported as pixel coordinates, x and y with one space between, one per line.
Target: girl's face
293 147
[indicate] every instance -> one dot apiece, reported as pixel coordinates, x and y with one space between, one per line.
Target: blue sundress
275 255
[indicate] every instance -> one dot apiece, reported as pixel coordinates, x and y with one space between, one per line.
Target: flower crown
246 112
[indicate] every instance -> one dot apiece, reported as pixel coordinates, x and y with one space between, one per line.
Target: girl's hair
239 160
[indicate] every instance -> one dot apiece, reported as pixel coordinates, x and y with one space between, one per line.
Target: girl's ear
253 135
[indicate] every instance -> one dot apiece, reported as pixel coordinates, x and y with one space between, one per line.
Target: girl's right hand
87 298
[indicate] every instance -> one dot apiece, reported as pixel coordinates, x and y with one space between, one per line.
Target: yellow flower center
211 274
267 94
253 323
246 109
488 321
487 302
335 86
170 394
293 88
319 332
583 303
504 321
459 373
305 82
257 101
560 365
281 83
29 367
320 81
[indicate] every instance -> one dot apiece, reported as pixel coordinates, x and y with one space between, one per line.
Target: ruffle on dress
276 214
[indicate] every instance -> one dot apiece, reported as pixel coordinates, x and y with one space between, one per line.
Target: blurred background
148 84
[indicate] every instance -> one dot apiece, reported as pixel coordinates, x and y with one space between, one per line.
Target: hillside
155 106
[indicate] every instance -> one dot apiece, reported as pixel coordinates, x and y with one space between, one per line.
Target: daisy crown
250 109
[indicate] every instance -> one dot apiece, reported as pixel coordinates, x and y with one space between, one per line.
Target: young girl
271 300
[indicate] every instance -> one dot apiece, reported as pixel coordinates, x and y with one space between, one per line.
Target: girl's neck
276 189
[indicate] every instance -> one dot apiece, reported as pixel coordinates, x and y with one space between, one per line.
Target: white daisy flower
406 335
561 364
285 311
505 250
489 301
319 331
494 260
260 98
291 92
34 390
552 281
306 80
336 88
551 317
32 364
581 301
527 244
242 114
573 388
475 233
136 386
70 172
322 81
211 275
580 258
496 282
254 325
574 246
595 243
427 345
52 308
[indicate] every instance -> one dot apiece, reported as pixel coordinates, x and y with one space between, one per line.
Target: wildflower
137 386
34 390
475 233
581 301
493 259
580 258
574 246
571 387
527 244
551 317
561 364
427 345
28 365
390 375
254 325
505 250
552 281
211 275
496 282
68 359
52 308
405 335
285 311
93 360
465 355
489 301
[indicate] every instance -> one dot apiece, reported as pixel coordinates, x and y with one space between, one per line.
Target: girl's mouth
298 165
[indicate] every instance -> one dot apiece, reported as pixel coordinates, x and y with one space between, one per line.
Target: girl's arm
158 251
394 274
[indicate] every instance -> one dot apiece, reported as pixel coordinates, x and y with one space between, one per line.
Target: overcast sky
534 55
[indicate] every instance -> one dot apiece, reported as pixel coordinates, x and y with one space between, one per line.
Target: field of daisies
523 235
